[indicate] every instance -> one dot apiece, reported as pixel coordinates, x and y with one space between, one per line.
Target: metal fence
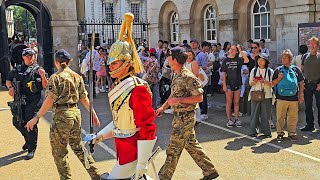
108 31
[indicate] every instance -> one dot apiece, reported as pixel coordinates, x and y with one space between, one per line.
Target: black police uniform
28 74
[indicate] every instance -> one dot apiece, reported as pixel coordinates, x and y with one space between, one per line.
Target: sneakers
240 114
198 123
102 90
30 155
280 137
204 116
293 137
97 90
237 123
307 128
168 111
230 123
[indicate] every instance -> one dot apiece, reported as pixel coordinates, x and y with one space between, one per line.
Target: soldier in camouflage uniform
65 89
186 93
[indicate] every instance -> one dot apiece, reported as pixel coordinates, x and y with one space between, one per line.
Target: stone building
232 20
109 14
57 27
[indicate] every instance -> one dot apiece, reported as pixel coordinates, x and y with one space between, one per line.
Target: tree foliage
24 21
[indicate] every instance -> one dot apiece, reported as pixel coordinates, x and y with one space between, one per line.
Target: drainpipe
315 10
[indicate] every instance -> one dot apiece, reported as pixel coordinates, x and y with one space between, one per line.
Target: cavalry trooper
65 89
186 93
31 79
131 105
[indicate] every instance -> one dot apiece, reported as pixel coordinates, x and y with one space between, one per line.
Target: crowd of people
240 73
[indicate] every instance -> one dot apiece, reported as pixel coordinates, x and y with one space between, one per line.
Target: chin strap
125 63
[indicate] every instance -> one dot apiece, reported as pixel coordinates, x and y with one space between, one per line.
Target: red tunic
144 115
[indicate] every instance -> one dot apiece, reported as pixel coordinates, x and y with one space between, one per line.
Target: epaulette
140 82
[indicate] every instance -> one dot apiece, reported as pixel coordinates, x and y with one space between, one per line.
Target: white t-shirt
267 89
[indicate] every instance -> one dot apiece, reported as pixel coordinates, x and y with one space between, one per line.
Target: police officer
186 93
32 80
65 89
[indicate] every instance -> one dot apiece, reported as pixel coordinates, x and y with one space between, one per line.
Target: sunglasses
255 47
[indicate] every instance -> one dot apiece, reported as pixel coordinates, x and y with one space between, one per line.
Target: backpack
288 86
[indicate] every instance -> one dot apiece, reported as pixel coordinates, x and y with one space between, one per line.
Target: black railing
107 31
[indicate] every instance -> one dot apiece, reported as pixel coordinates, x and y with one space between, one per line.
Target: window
210 29
174 28
261 20
135 10
92 9
109 12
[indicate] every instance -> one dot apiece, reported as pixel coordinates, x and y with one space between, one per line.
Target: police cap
61 53
28 51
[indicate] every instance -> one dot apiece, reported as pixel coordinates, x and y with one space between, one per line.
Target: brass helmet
124 48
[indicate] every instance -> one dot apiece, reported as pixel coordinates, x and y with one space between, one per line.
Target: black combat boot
211 176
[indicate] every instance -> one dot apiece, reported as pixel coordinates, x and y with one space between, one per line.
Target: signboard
306 31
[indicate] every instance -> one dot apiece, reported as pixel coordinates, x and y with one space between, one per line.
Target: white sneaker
204 116
97 90
168 111
102 90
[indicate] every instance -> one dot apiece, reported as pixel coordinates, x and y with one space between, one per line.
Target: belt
182 112
309 81
62 106
118 133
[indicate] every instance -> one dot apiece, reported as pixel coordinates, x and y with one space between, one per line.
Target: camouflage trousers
183 137
66 128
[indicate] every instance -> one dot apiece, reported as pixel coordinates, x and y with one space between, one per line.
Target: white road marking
113 153
264 142
102 145
4 109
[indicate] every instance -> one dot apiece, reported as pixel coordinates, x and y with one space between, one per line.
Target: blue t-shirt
201 59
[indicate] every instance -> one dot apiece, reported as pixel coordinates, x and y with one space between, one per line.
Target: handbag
203 77
258 96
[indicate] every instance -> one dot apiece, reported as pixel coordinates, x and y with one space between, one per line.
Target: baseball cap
152 50
194 40
28 51
61 53
140 48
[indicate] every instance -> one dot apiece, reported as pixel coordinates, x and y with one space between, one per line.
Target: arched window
261 20
174 28
210 29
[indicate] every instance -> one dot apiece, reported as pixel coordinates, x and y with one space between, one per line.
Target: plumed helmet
124 48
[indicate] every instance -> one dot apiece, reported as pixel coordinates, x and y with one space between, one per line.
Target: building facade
10 21
108 14
235 21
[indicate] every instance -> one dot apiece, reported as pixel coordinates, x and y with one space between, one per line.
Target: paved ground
235 155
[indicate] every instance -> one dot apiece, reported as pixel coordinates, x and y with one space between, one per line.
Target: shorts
229 88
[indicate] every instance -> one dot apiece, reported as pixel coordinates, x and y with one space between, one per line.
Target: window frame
139 13
205 19
260 26
175 22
